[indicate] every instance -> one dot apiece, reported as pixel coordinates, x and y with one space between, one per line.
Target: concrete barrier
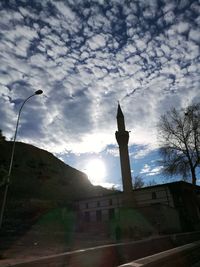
183 256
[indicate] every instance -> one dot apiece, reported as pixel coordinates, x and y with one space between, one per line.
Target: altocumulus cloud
86 55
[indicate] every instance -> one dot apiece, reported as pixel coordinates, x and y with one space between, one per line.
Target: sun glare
96 171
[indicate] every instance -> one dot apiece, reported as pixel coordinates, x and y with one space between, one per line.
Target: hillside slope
38 174
40 182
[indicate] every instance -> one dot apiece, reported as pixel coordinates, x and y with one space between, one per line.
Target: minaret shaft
125 169
122 137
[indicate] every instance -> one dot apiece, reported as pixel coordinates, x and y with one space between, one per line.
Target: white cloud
169 17
183 27
85 60
114 151
149 171
194 35
145 169
155 171
65 10
142 151
96 42
110 185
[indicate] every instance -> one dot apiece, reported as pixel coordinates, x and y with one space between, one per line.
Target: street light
38 92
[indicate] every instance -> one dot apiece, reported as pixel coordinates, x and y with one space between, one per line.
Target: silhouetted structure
122 137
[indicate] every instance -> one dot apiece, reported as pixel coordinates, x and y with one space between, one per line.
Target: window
98 204
98 215
86 205
111 214
154 196
87 216
110 202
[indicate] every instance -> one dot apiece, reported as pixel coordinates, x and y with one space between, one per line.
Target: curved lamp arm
38 92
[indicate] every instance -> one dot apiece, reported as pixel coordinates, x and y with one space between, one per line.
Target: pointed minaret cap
119 111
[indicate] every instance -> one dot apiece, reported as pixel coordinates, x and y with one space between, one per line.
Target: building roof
168 184
116 193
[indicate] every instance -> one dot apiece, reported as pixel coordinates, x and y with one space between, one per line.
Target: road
110 255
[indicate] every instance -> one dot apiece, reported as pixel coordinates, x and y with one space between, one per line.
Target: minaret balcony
122 137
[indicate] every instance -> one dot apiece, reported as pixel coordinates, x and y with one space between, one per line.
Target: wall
104 204
144 197
161 194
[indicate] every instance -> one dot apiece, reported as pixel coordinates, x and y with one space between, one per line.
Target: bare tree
151 183
179 134
138 182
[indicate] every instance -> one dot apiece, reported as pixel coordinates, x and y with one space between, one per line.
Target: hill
39 174
39 182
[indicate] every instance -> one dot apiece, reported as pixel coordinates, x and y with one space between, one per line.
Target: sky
86 56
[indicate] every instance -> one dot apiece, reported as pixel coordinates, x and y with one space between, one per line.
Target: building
165 208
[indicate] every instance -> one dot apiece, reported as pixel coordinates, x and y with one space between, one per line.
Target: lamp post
38 92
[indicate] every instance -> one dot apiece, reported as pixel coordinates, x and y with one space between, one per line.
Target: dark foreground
114 254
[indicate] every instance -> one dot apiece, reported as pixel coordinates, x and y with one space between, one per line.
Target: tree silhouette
138 182
151 183
179 134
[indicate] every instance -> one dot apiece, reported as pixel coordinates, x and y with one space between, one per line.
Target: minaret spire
122 137
120 119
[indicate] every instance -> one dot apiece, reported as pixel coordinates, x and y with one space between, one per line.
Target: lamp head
38 92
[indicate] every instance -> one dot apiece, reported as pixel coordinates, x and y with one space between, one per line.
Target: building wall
165 205
163 218
93 208
186 202
144 197
99 208
154 195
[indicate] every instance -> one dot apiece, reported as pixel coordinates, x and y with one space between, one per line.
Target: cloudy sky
87 55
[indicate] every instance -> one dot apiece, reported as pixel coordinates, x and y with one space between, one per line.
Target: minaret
122 137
